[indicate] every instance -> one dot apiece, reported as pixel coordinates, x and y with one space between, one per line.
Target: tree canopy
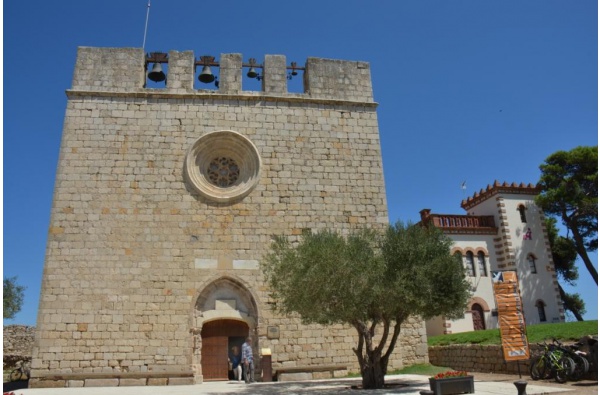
12 297
569 183
368 279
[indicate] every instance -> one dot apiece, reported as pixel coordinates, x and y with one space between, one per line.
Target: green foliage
366 276
574 304
367 279
569 183
12 297
424 278
326 278
564 253
564 331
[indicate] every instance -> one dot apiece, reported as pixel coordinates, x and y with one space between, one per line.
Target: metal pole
146 26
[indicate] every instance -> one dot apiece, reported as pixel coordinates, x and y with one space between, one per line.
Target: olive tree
12 297
369 280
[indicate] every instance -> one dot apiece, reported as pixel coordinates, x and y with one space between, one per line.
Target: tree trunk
373 375
372 366
580 246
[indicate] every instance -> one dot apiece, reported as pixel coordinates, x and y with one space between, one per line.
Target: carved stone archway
224 303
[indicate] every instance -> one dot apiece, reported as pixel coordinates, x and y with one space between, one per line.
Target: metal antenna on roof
146 26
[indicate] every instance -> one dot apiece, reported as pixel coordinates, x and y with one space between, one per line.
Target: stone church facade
166 200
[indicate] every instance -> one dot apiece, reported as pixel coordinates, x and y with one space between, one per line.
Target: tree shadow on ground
338 387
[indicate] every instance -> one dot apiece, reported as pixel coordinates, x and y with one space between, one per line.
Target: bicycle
551 363
582 365
21 372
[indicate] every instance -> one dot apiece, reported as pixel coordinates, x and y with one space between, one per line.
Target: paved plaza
406 384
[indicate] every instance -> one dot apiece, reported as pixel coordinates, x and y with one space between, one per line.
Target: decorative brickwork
520 234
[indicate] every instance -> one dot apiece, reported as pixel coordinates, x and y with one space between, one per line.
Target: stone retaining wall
476 358
18 344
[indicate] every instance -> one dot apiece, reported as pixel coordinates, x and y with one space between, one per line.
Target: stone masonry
17 344
166 200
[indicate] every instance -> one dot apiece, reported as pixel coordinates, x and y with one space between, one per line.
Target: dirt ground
581 387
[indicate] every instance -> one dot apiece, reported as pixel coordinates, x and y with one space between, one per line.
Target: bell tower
168 191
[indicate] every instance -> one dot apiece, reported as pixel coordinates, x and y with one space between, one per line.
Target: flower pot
452 385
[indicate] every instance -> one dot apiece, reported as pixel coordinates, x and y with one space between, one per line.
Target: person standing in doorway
235 360
248 361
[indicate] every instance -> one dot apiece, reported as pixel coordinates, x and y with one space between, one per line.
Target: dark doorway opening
478 317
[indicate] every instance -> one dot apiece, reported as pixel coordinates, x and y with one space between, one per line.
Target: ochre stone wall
18 344
138 260
475 358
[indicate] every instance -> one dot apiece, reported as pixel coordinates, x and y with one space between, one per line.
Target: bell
252 73
157 74
206 75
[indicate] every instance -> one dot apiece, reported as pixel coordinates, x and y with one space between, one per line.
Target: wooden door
477 314
216 339
214 358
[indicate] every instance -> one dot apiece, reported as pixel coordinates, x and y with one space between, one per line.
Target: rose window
222 166
223 172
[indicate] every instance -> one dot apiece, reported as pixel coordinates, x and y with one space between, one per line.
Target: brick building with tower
503 230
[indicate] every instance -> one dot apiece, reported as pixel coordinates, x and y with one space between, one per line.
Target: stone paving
485 384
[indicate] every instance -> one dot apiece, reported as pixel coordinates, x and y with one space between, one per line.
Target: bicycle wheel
537 367
581 366
565 369
15 375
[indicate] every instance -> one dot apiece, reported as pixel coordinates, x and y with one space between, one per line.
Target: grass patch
564 331
422 369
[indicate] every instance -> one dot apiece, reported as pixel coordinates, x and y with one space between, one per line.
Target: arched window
522 212
481 263
470 264
541 310
531 260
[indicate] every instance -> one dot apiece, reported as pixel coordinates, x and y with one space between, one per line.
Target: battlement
124 70
498 187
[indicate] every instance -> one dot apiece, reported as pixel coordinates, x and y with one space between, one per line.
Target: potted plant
452 382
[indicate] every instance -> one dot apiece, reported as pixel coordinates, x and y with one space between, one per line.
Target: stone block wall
476 358
135 252
18 344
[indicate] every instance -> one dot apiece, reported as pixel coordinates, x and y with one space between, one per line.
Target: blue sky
467 90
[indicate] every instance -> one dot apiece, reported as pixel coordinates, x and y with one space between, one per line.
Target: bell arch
227 304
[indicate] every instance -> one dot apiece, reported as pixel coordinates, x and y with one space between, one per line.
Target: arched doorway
477 315
225 313
218 337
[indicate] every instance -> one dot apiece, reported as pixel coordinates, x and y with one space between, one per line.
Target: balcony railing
464 223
